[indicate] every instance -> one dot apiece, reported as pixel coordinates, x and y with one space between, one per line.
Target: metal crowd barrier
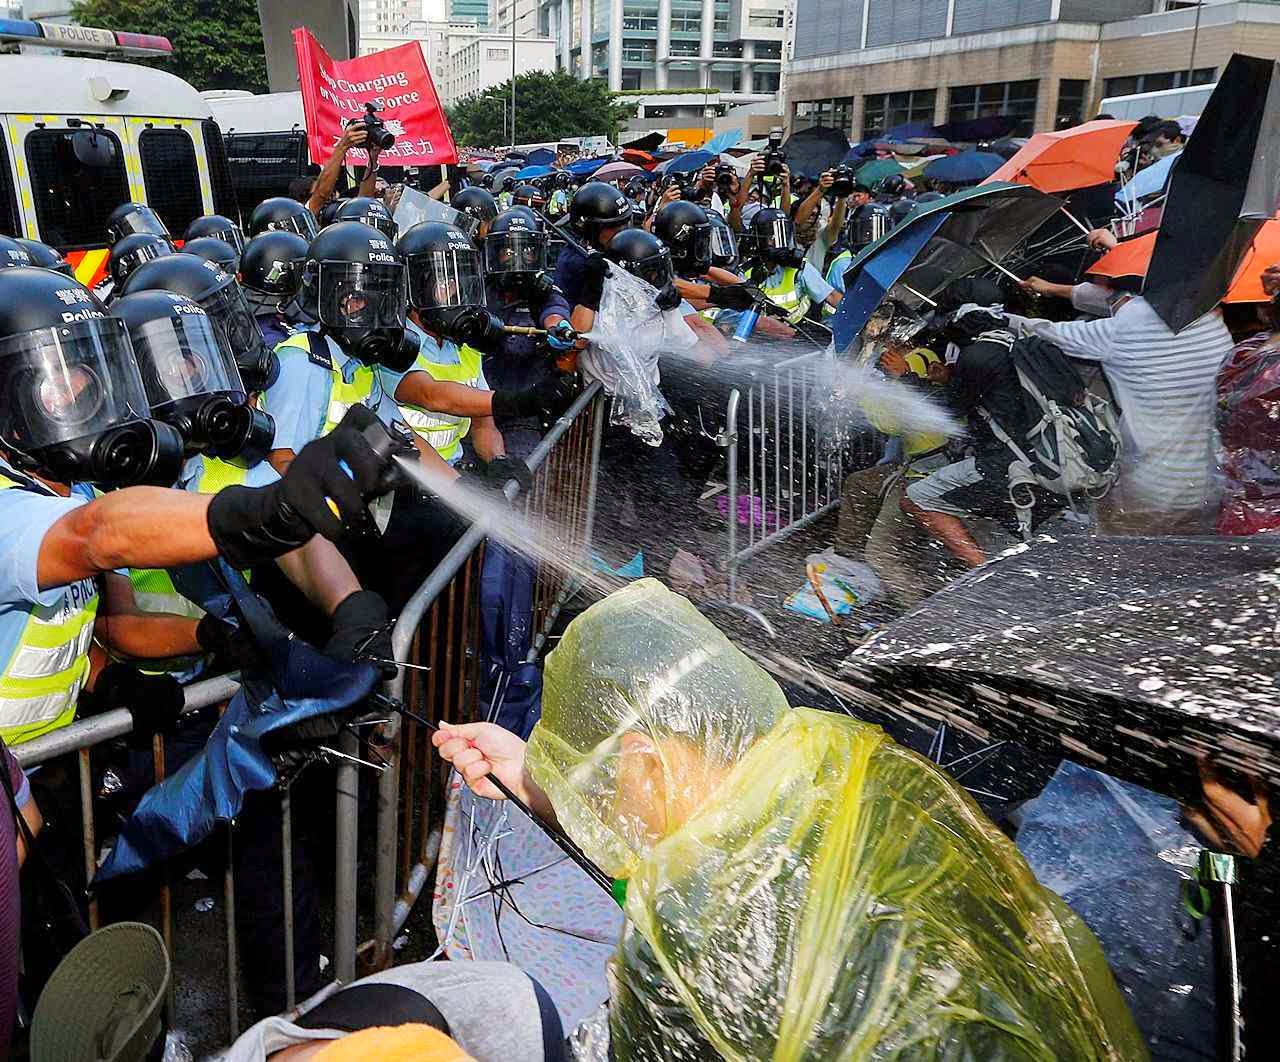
439 628
793 477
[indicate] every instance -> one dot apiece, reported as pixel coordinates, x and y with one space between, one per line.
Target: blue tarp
299 683
879 273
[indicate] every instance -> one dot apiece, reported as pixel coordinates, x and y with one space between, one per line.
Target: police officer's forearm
693 291
147 635
321 573
138 527
487 439
443 396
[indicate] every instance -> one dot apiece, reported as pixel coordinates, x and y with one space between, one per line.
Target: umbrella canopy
688 162
968 167
648 142
1133 258
533 171
585 167
611 171
1226 185
876 170
1134 654
643 159
541 157
812 151
978 226
1148 182
1008 146
1074 158
724 141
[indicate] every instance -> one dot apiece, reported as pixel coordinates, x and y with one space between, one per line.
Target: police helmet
131 252
212 249
130 218
686 230
596 206
370 211
12 253
476 208
772 236
280 213
642 254
516 244
270 269
218 226
445 273
46 257
530 195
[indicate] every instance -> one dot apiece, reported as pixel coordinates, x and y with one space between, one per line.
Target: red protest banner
396 81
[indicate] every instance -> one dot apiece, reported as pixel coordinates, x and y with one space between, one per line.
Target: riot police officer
280 213
270 272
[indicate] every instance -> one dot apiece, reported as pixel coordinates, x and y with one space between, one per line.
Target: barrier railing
794 476
436 630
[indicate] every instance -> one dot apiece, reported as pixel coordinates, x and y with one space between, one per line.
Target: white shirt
1167 388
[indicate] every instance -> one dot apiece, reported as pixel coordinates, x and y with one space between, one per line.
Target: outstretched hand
478 750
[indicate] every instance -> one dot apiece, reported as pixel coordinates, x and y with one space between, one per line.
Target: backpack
1072 447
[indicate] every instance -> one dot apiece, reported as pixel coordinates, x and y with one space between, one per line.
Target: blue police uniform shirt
836 271
808 280
571 276
298 400
275 328
25 519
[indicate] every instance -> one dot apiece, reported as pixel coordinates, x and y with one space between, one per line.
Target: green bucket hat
102 1003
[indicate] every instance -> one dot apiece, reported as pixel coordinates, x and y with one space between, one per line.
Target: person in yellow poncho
799 887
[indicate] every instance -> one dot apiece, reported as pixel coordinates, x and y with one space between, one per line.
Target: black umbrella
812 151
1132 655
1226 184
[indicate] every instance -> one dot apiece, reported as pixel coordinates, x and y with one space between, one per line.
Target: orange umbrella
1132 258
1074 158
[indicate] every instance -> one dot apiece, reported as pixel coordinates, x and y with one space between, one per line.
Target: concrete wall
334 23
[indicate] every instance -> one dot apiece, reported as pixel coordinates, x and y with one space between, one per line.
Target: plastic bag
846 584
799 886
629 334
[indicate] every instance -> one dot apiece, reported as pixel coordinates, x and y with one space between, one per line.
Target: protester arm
810 203
1088 340
487 439
125 628
322 190
369 182
477 750
321 573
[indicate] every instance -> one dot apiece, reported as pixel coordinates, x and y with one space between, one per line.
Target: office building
525 13
387 16
867 66
437 40
731 47
484 60
469 10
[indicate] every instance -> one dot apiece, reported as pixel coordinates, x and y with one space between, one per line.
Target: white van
81 136
1169 103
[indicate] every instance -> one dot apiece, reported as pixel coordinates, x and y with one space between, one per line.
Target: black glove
594 270
361 629
250 525
154 701
505 468
733 296
548 398
232 645
475 326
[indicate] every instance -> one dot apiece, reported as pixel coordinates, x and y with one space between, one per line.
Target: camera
843 183
725 176
774 159
380 138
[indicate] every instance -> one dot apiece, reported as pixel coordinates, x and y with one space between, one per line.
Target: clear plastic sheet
799 886
629 334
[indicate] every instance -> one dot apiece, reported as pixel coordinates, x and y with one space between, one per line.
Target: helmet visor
230 313
722 244
183 356
655 270
383 222
137 221
778 235
230 234
66 382
124 264
303 222
515 252
447 277
359 295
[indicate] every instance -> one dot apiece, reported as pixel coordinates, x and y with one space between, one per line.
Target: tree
217 44
548 107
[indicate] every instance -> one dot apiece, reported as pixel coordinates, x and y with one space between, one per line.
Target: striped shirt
1166 386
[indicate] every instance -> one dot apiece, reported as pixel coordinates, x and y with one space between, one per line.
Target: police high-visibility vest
43 676
342 395
883 414
444 432
842 260
787 295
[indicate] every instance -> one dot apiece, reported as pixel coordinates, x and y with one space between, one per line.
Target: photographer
356 135
774 190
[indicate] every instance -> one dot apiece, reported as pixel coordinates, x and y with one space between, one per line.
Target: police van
82 135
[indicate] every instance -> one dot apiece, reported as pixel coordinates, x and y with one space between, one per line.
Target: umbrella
910 131
723 141
876 170
1225 187
812 151
1132 258
1135 655
541 157
585 167
968 167
530 172
688 162
979 226
647 142
641 158
1074 158
978 130
1148 182
611 171
1008 146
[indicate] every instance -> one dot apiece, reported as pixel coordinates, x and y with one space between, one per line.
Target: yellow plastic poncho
799 886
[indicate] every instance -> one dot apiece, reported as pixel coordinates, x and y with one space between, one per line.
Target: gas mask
72 405
362 306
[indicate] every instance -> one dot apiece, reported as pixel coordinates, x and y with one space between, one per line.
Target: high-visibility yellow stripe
91 268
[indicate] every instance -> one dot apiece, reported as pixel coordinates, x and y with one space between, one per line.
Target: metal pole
286 871
1195 41
344 891
513 73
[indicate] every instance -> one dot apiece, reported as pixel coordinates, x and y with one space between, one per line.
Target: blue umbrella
530 172
298 683
1150 181
969 167
878 274
723 141
541 157
689 162
585 167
